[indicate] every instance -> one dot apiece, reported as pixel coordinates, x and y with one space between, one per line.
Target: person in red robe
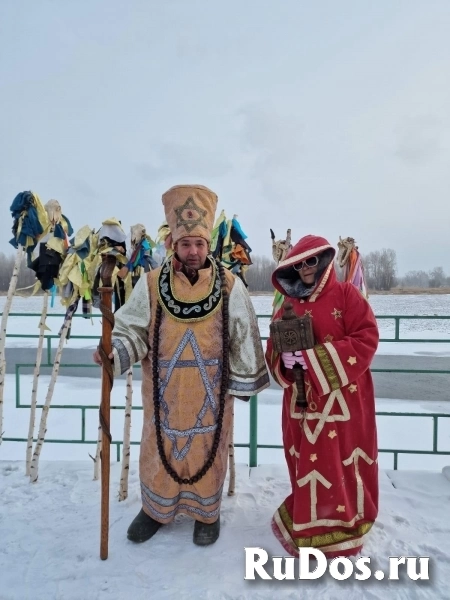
331 446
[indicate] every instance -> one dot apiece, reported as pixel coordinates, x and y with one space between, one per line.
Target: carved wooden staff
289 334
105 347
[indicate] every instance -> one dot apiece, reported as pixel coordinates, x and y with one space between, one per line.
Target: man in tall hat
192 324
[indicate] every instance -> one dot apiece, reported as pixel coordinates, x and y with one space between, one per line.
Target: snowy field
50 541
438 304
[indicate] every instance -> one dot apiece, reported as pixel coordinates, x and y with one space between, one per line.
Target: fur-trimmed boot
206 534
142 528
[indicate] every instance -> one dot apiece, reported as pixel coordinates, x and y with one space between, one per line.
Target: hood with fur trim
287 280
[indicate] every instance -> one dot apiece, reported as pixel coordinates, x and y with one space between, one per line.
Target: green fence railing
252 444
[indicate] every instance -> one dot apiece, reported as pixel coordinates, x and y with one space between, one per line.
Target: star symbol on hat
328 338
313 457
332 434
337 314
341 508
193 216
352 388
352 360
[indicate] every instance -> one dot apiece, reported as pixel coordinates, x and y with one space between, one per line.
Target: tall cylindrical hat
190 211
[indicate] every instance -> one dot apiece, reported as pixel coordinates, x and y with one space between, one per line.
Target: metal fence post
254 431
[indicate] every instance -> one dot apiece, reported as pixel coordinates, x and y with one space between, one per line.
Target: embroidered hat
190 211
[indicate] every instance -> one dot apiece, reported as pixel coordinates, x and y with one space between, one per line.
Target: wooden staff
105 348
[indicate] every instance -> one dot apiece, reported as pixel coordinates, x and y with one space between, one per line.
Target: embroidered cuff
248 388
122 363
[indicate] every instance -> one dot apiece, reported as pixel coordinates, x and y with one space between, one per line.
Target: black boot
206 534
142 528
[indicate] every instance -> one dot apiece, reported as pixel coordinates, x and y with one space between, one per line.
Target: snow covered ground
50 540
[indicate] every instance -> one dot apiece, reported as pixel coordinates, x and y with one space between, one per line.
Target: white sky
327 117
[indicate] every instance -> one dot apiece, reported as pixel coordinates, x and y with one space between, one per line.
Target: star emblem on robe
352 360
337 314
313 457
328 338
341 508
308 313
332 434
182 440
352 388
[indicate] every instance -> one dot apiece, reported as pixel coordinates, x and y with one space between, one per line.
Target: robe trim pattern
181 309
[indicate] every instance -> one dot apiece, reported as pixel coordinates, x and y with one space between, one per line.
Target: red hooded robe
331 447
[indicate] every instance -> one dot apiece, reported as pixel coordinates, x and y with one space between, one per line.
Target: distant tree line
26 276
422 279
380 268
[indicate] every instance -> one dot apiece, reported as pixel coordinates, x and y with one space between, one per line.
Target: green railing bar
260 316
413 317
81 406
417 341
402 340
397 329
83 424
442 371
374 370
405 317
435 434
383 413
253 458
85 317
53 337
49 350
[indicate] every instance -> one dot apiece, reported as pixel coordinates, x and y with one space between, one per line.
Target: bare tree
26 276
437 277
380 267
419 279
259 274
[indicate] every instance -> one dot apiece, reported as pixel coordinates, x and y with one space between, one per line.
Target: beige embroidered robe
190 366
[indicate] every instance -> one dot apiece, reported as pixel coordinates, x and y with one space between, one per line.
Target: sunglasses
308 262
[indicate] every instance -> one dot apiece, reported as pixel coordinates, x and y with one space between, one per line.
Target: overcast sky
329 117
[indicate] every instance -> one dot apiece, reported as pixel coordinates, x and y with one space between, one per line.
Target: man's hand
96 357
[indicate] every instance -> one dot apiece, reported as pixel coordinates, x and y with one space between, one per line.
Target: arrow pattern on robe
353 458
313 477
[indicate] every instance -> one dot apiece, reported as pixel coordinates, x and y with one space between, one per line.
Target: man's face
192 251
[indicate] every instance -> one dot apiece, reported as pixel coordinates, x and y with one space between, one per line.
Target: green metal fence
252 444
